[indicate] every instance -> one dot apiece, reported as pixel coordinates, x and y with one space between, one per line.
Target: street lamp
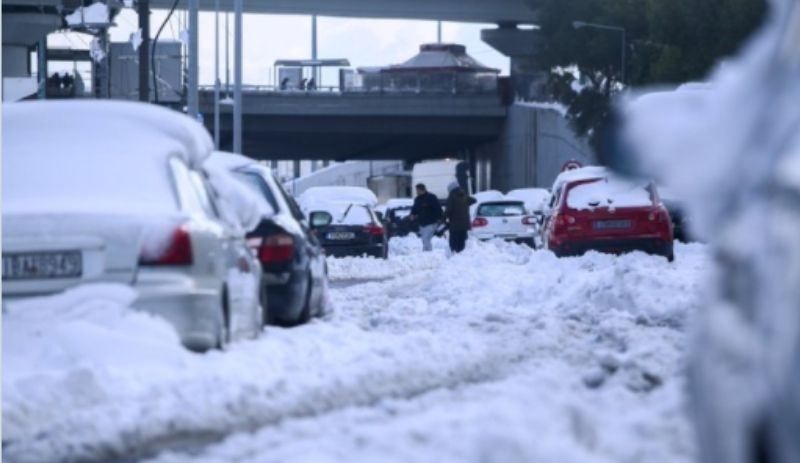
583 24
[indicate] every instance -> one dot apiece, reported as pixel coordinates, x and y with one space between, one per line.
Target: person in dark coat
457 216
428 213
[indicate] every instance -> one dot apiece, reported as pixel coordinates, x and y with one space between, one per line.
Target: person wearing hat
457 216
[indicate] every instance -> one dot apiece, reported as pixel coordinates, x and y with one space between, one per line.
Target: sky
365 42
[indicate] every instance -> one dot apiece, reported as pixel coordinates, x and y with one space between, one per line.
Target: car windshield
257 184
501 209
349 214
609 192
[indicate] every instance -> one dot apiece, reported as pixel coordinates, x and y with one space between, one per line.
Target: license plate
40 265
341 236
611 224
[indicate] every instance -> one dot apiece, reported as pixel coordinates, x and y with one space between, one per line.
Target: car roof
583 173
73 125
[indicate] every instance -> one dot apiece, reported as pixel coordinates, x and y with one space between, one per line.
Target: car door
241 272
314 251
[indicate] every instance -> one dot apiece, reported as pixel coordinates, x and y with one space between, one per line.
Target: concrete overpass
479 11
351 126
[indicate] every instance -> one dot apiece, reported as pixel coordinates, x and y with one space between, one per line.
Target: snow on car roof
534 198
95 156
338 194
399 202
583 173
230 161
611 191
136 128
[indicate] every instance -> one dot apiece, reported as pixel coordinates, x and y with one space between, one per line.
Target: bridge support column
522 46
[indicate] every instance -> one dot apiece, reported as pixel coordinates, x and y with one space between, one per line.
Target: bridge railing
453 83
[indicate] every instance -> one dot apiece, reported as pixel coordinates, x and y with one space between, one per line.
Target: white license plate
339 236
40 265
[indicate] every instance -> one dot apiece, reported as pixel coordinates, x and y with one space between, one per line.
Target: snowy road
500 354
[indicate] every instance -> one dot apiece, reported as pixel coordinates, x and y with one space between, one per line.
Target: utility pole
143 10
41 67
216 74
193 96
314 47
237 77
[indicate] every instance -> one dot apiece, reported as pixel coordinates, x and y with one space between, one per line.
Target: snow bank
437 359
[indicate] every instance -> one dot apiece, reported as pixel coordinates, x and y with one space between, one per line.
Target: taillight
276 249
479 222
177 252
373 230
529 220
658 215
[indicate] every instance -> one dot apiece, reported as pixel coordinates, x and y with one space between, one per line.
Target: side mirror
320 219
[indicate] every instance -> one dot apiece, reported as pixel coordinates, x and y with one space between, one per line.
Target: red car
607 214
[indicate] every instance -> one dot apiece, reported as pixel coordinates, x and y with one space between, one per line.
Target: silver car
112 192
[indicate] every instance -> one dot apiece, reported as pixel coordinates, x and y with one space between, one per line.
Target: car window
255 182
501 209
295 209
187 194
201 189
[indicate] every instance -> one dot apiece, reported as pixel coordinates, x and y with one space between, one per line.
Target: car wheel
305 314
224 335
264 299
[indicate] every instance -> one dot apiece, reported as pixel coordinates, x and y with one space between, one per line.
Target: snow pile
60 351
436 359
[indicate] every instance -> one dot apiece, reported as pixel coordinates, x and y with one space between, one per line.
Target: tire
224 336
305 314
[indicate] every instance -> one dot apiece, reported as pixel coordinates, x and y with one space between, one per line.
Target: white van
437 175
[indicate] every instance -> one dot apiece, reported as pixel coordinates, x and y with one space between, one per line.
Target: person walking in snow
427 212
457 216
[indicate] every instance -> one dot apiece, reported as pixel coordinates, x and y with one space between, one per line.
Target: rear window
504 209
344 214
609 192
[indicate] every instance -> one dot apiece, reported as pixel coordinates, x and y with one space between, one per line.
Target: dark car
399 223
678 217
349 230
295 273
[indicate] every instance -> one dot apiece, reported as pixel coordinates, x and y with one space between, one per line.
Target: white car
504 219
101 191
535 199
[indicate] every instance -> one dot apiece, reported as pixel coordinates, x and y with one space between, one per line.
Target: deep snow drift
498 354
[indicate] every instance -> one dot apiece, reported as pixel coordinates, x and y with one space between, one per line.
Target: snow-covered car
606 213
483 196
508 220
337 194
348 229
535 199
293 261
114 192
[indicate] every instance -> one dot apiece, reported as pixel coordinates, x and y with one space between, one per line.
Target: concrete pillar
528 78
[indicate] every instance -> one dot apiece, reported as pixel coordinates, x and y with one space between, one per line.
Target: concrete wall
534 145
